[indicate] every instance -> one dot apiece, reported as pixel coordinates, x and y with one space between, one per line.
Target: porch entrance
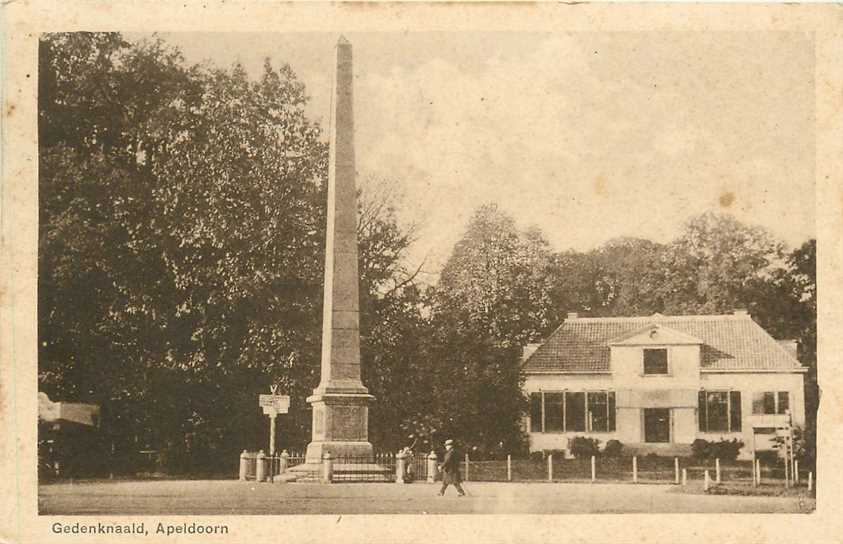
657 425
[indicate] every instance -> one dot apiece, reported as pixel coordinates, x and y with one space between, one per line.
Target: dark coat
451 467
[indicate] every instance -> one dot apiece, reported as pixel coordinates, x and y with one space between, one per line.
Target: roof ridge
654 318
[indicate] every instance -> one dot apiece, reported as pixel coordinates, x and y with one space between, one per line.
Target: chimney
741 312
529 349
572 315
790 346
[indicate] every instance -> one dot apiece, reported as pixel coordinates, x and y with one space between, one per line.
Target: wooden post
790 440
593 469
810 481
684 477
272 434
676 469
754 472
758 470
509 467
466 466
549 467
635 469
706 481
786 464
717 470
796 471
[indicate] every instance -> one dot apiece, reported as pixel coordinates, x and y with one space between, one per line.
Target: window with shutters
771 402
719 411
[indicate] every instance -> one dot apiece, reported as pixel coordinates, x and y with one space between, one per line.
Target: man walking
450 468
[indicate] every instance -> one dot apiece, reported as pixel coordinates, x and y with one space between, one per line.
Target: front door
656 425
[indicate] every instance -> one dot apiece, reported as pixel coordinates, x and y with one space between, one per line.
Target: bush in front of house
613 448
725 450
582 447
699 448
768 457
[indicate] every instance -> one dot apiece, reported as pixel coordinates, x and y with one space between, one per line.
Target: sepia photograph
454 273
263 263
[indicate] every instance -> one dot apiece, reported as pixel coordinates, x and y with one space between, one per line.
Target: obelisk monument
340 401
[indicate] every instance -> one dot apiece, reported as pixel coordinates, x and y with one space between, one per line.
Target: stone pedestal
340 427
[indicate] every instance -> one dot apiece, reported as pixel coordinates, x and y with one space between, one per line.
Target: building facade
657 383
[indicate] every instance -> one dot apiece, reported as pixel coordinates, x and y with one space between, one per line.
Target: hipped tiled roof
730 342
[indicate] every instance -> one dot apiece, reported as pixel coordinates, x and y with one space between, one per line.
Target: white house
658 383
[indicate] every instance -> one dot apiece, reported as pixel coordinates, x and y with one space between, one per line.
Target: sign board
274 404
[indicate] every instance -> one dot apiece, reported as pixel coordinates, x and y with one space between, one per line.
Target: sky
588 136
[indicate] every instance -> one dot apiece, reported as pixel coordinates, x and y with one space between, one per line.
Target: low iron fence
409 467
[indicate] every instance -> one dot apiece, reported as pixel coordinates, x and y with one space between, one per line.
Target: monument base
358 452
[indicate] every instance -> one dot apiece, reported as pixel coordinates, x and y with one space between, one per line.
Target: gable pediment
655 335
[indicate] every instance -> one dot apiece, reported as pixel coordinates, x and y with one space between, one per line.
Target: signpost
273 405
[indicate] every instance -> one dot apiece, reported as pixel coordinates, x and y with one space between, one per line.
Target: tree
493 296
182 245
497 280
716 265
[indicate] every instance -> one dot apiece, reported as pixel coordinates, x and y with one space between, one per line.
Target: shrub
700 448
613 448
768 457
802 447
725 450
557 454
537 456
582 446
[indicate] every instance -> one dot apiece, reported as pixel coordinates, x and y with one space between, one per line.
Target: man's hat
449 442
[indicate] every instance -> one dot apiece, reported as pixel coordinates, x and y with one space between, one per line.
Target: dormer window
655 361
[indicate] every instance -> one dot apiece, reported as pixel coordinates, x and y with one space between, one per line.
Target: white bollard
509 468
466 467
431 467
244 465
676 469
758 471
593 469
327 468
549 467
285 459
810 481
796 471
260 466
684 476
717 470
706 481
400 467
635 469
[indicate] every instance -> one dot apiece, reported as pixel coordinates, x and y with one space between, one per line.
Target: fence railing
407 467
